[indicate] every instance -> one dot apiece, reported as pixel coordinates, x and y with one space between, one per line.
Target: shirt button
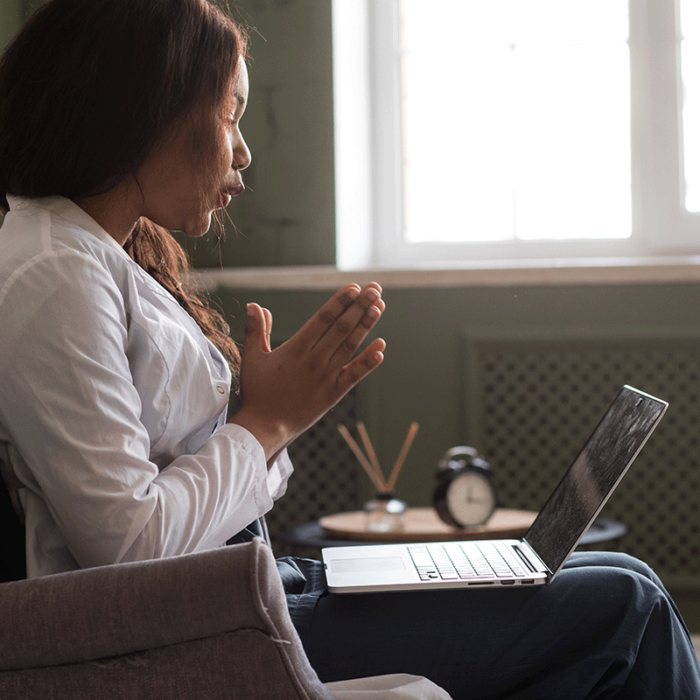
221 389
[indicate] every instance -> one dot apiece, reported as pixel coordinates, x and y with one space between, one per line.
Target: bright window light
516 120
690 70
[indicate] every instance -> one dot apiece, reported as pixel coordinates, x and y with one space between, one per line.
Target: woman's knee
614 560
614 586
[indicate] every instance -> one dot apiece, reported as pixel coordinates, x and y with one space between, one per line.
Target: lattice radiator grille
532 404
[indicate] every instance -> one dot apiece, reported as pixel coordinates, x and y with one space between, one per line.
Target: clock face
470 498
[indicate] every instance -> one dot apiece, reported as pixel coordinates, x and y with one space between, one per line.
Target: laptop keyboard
466 561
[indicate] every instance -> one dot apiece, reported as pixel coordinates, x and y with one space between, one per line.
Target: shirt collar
66 209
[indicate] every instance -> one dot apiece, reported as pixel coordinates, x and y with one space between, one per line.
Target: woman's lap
580 636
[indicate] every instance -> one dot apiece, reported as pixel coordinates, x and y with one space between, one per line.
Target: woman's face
197 169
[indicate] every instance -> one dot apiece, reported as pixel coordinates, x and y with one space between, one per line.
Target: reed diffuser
385 511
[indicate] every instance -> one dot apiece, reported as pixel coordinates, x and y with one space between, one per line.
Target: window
690 72
516 129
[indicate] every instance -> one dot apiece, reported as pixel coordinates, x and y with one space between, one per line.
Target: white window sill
481 274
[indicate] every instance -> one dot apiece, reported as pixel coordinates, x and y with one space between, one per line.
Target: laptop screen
593 476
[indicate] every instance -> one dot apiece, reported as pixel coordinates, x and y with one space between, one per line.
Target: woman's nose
241 154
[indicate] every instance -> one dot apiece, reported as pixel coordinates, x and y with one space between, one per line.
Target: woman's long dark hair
89 87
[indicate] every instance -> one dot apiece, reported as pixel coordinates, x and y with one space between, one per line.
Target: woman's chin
196 229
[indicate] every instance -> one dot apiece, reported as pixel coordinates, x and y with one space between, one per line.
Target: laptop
536 558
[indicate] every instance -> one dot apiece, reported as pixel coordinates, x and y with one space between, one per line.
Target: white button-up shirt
113 404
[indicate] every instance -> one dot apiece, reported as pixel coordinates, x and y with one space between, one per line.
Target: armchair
208 625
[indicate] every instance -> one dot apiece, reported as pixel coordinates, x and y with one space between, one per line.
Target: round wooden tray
424 525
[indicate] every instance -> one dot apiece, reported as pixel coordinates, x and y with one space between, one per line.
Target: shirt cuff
278 475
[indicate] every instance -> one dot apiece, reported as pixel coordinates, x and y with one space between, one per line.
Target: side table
423 525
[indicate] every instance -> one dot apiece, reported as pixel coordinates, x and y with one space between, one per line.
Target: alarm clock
464 495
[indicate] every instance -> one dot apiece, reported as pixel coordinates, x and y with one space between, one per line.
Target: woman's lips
231 192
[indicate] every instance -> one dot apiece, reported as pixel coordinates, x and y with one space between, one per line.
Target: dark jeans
604 628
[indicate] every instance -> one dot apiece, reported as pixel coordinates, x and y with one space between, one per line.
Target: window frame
368 133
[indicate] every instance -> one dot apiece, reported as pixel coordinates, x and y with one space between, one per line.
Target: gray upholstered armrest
112 611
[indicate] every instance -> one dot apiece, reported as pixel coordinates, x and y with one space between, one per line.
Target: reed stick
380 486
413 429
372 455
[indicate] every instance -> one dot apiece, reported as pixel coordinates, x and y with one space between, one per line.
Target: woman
136 385
120 119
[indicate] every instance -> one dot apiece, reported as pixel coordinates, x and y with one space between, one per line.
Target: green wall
11 16
287 215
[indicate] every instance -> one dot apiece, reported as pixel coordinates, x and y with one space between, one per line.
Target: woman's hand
286 390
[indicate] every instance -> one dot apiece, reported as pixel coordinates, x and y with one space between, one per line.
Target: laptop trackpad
346 566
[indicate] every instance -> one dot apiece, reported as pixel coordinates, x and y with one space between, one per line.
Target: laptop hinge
530 559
